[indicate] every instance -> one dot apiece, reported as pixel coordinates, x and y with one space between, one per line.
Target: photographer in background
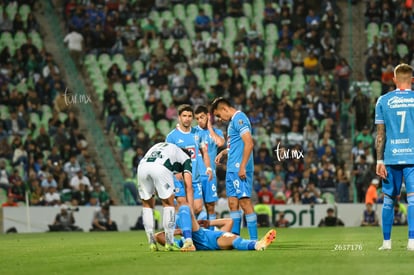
64 221
102 220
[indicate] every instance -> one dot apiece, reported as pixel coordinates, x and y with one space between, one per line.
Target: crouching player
155 174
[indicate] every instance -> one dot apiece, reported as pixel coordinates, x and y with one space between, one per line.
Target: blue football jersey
207 141
191 142
238 125
205 239
396 110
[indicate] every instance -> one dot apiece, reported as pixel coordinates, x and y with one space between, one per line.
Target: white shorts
154 177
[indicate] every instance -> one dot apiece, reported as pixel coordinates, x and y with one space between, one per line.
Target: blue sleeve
379 116
242 124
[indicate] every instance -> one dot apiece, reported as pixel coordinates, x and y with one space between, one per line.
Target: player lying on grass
205 239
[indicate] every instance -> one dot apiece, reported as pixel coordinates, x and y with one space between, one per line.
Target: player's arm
206 159
379 146
220 155
188 185
224 224
247 151
218 140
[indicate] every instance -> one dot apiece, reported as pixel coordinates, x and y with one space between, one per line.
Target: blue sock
242 244
236 217
387 217
202 215
251 220
185 220
410 216
211 217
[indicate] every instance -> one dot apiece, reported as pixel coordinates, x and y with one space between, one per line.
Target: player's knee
388 202
246 205
210 208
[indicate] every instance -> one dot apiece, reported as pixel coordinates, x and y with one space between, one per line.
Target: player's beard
186 126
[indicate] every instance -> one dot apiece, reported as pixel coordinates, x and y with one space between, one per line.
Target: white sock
148 220
168 222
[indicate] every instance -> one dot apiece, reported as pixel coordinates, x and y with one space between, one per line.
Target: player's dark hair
201 109
220 100
185 108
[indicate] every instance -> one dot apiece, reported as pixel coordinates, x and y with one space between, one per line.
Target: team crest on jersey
240 121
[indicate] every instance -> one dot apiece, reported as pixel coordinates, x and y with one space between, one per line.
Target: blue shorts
205 239
236 187
209 189
197 190
180 189
391 186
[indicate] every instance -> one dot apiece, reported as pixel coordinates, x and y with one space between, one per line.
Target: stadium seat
371 31
24 11
269 82
149 127
402 50
243 21
200 75
62 116
128 156
328 198
179 12
376 89
207 9
192 11
257 78
11 10
248 10
90 59
166 97
189 27
3 196
19 39
164 126
271 33
268 53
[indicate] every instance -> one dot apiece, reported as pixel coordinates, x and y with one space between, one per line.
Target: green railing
86 110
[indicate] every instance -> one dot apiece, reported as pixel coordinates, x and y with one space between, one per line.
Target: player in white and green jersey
156 174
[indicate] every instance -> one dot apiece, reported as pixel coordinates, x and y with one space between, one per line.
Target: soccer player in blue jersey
394 117
212 138
206 239
186 136
240 166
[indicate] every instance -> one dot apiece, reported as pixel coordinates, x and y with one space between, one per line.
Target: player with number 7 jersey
394 117
396 111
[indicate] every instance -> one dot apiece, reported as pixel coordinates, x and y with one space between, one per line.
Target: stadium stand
172 45
143 60
42 146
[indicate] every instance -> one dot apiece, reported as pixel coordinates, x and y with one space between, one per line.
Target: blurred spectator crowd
42 152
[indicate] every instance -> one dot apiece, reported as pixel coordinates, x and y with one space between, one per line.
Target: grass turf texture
295 251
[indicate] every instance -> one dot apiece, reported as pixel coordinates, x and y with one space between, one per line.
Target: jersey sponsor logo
192 151
400 102
402 150
180 141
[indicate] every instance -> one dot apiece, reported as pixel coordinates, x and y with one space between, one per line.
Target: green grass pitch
295 251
